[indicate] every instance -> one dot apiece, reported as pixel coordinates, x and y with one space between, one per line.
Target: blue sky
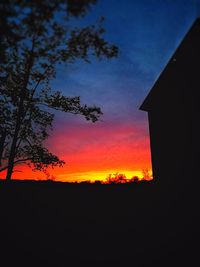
147 33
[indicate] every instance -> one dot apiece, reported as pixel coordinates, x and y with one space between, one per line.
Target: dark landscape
60 224
44 47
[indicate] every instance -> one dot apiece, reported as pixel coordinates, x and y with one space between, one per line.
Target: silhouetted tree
36 36
134 179
146 174
117 178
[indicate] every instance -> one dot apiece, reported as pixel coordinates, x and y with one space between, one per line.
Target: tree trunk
2 142
20 114
17 129
13 146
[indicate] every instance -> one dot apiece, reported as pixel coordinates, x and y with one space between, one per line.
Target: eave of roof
147 103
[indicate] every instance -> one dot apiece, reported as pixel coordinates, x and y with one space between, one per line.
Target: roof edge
144 105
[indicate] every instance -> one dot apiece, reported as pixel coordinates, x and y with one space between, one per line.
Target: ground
58 224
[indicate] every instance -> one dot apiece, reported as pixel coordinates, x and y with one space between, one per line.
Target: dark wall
175 145
174 116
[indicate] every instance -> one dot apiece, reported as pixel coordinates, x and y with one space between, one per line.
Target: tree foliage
36 36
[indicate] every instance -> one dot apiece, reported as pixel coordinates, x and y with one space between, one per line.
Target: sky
147 33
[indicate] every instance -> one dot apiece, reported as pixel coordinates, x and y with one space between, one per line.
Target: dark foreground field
57 224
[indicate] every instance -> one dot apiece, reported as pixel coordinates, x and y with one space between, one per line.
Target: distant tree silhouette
36 36
134 179
146 174
117 178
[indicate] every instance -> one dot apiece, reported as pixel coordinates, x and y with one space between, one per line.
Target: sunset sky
147 32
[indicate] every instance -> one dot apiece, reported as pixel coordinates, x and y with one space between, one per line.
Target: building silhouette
173 113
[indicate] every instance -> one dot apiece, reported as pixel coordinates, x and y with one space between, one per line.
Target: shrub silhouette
134 179
146 174
117 178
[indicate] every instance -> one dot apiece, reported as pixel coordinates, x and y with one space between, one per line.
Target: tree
37 36
146 174
117 178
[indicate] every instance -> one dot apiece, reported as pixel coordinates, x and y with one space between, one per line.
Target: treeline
119 178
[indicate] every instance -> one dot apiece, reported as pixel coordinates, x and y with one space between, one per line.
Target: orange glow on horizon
99 176
26 174
92 152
